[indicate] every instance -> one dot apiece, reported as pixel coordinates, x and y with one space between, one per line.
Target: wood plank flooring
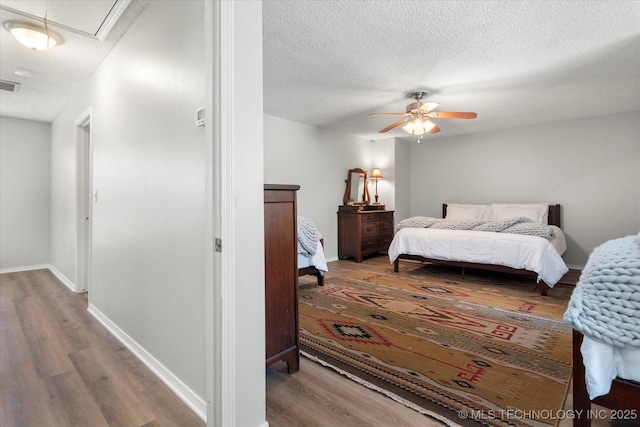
60 367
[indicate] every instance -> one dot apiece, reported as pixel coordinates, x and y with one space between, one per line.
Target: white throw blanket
605 307
308 237
519 225
606 302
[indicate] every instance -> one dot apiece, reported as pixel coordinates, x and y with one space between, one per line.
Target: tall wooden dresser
281 275
363 232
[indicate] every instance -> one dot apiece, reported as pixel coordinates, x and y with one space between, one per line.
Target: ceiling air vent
10 86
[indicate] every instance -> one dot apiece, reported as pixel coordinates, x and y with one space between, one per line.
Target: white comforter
510 250
318 260
604 362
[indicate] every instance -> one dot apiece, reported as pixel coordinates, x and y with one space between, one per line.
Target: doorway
86 196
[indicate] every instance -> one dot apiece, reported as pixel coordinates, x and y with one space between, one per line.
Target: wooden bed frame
313 271
554 219
624 395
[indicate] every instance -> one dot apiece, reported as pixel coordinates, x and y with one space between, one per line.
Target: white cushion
466 211
537 212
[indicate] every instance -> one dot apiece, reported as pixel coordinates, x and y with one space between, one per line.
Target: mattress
517 251
318 260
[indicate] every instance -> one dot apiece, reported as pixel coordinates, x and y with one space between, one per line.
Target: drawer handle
369 228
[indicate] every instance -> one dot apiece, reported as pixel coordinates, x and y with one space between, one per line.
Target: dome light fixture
33 36
23 72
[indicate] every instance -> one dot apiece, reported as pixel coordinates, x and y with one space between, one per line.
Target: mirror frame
365 195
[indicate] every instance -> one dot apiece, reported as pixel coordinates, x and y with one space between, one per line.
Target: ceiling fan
417 119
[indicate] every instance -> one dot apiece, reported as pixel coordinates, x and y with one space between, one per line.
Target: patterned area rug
486 350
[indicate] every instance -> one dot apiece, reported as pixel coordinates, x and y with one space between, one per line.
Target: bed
311 260
528 255
604 312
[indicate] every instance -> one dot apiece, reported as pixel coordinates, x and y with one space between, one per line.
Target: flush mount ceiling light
33 36
23 72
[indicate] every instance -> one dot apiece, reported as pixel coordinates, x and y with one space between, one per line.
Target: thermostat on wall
200 116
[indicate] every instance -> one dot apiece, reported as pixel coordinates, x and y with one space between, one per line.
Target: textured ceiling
331 63
60 71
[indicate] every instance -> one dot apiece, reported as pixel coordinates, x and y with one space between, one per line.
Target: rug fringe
381 391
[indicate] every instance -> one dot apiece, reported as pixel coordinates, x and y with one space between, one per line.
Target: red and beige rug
486 350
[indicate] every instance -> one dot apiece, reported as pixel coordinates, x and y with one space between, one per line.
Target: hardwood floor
60 367
316 396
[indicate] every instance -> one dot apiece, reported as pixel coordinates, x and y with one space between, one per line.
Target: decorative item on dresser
363 230
281 275
376 175
357 191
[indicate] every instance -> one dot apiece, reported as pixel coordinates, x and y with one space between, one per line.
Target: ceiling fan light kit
418 126
419 114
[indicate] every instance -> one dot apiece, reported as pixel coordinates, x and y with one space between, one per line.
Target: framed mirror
357 192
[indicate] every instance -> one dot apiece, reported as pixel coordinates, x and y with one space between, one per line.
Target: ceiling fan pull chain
46 27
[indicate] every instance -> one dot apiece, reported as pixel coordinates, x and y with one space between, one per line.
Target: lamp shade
376 174
33 36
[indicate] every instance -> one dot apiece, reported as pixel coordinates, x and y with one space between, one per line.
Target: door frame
84 200
235 331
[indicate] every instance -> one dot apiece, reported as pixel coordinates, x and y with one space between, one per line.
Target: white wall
25 195
403 180
318 160
590 166
148 166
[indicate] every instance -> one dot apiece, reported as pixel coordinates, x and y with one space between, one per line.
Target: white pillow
465 211
537 212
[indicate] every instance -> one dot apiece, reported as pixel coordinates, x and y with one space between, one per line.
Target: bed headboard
554 214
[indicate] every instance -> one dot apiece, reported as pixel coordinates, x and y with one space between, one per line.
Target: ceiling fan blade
394 125
428 106
435 129
451 115
388 114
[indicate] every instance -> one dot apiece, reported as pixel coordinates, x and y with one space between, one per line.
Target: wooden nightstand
363 232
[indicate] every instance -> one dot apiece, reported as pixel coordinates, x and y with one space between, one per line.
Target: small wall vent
9 86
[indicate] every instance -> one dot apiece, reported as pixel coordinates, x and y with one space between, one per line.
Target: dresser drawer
384 242
369 228
369 243
369 217
385 227
385 216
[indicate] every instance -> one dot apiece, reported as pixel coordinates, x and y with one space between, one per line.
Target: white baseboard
68 283
23 268
191 399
